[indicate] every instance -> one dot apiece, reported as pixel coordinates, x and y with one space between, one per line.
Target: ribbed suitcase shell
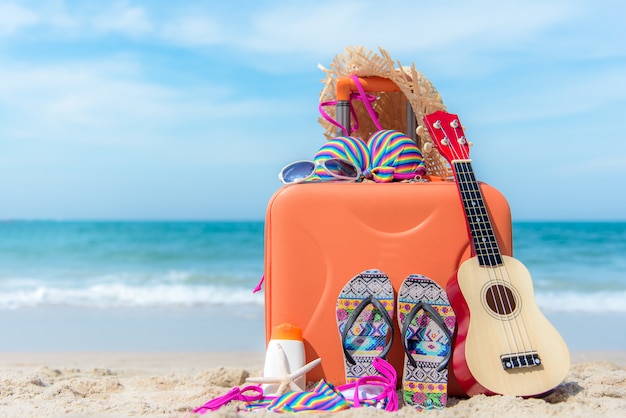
320 235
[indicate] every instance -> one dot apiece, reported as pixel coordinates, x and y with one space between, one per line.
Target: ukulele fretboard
480 228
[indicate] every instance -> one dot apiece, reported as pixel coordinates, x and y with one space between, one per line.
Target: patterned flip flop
427 323
364 310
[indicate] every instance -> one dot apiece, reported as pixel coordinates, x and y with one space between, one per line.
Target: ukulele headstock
448 136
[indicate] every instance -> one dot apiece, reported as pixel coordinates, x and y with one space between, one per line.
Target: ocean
109 265
111 272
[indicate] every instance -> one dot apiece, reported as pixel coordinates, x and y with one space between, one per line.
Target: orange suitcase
320 235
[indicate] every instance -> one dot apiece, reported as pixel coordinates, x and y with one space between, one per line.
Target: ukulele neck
484 243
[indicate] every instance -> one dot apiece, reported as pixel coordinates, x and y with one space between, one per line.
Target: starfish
287 379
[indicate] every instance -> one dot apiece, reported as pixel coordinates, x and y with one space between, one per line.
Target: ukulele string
497 272
494 289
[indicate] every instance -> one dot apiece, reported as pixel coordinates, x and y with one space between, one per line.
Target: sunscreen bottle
286 340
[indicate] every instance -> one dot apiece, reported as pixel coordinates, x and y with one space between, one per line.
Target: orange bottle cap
287 332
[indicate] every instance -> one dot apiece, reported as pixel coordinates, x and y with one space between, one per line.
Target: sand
172 384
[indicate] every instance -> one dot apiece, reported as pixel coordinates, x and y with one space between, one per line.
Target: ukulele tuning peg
454 123
437 124
427 147
470 143
445 141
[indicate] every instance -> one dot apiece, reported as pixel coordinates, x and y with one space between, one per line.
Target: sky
187 110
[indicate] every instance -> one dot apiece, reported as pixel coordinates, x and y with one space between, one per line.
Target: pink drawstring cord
387 380
235 394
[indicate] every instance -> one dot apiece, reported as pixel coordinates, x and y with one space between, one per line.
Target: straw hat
390 106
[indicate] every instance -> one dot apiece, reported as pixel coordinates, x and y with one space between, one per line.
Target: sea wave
105 296
591 302
120 295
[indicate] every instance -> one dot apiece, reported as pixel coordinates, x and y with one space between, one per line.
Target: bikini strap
367 100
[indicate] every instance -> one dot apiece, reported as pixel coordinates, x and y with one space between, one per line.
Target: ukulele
504 345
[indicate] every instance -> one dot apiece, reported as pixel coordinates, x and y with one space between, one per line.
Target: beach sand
120 384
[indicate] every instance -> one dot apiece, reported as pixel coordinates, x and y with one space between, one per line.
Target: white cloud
193 31
14 18
70 19
62 98
606 167
109 101
318 27
456 39
548 96
123 19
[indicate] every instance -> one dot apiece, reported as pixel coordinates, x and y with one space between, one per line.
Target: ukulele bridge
520 360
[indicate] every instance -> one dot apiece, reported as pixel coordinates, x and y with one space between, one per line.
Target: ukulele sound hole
500 299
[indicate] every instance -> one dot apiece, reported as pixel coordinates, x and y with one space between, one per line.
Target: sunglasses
301 171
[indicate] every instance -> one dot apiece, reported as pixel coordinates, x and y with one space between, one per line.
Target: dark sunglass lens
341 167
298 171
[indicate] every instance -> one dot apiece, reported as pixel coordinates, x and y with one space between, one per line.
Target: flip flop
427 323
364 310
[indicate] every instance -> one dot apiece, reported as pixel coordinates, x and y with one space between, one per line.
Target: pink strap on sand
235 394
387 380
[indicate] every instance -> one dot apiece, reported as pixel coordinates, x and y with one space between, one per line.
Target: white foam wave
121 295
592 302
116 295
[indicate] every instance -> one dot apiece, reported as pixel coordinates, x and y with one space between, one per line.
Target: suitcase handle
347 85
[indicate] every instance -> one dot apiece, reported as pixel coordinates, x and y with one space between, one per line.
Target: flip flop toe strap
436 317
370 300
